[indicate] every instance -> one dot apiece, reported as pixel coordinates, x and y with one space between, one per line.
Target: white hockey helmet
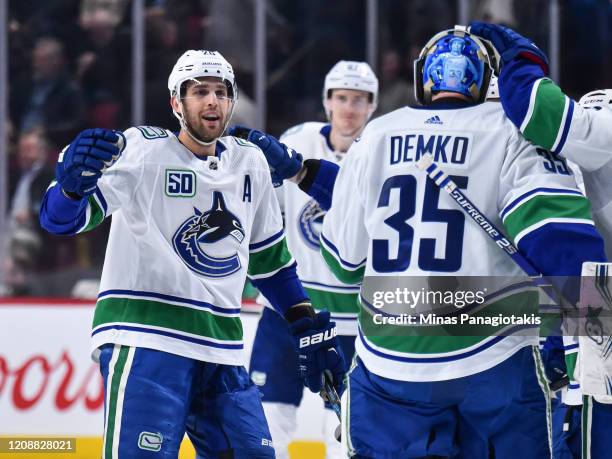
195 64
201 63
351 75
601 98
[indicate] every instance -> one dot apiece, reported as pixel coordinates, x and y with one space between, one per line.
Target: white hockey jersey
388 219
583 136
303 222
184 230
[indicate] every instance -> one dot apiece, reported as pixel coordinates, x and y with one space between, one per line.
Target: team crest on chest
310 221
204 228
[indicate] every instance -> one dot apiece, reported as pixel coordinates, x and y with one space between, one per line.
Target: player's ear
175 105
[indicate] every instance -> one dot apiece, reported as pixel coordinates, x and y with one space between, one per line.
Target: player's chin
350 129
211 131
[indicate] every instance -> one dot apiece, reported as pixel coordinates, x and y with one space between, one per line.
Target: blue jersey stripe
163 296
334 249
200 341
100 197
566 127
514 203
265 242
448 358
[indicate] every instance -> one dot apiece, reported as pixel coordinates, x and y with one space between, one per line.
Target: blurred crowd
70 68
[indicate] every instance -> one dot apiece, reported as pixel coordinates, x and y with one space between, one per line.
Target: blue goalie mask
454 61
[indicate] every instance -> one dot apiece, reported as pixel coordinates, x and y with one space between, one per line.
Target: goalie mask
194 64
351 75
596 100
454 61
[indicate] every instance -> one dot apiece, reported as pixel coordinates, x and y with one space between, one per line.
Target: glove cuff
311 168
299 311
71 195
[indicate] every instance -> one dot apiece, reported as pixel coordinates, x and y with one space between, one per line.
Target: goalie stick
442 180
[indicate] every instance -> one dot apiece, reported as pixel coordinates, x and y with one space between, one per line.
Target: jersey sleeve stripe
290 264
543 122
567 121
532 100
549 221
95 213
101 201
540 208
334 302
535 192
331 288
330 247
352 276
266 262
256 246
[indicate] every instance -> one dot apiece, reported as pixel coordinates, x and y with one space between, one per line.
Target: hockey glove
284 162
317 347
553 358
509 44
81 163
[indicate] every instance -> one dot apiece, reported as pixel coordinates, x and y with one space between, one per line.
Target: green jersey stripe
445 338
544 122
269 260
168 316
332 301
545 207
111 412
96 214
344 275
570 361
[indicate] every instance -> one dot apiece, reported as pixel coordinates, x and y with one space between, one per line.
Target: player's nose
211 99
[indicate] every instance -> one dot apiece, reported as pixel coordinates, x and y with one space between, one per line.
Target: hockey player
581 133
350 94
387 219
192 213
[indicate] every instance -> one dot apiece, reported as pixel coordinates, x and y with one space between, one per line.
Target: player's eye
200 92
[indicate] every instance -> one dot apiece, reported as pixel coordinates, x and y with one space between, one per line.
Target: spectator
395 91
50 97
29 178
104 68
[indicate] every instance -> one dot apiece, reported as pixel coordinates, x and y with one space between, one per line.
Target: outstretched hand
81 163
509 44
283 161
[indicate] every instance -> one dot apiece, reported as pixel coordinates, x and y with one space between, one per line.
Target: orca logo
208 228
310 222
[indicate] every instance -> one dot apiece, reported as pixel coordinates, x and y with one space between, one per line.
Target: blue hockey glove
283 161
81 163
553 358
509 44
317 347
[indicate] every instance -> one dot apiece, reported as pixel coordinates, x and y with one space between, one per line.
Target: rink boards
49 386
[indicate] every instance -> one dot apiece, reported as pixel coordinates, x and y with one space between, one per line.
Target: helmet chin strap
195 137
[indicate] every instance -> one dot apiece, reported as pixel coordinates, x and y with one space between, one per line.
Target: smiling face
206 106
349 110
